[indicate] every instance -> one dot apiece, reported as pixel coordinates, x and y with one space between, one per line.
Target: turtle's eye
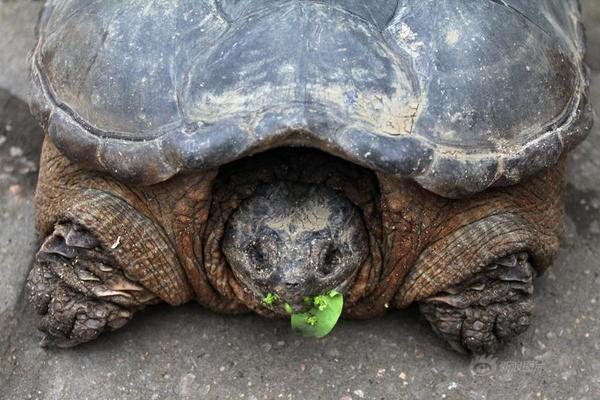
256 254
333 257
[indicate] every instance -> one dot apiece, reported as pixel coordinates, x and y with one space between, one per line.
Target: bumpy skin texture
78 291
493 306
241 182
295 240
112 249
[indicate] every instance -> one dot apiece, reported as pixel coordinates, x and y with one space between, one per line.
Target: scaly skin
165 241
239 181
493 306
295 241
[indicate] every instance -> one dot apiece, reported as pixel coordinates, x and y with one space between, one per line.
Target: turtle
254 155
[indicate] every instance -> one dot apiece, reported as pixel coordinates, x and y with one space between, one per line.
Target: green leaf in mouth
270 299
322 317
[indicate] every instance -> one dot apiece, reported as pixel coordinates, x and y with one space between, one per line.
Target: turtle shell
457 95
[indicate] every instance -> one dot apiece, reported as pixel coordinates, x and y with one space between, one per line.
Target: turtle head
295 240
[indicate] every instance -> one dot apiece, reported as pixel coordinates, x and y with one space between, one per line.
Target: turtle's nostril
292 285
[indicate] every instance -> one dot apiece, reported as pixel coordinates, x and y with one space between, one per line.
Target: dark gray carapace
457 95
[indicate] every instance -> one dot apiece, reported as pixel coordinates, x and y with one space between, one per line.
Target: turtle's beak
292 241
295 280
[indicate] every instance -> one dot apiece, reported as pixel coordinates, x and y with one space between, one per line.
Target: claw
72 318
78 292
124 285
508 261
87 276
455 301
105 268
492 307
101 291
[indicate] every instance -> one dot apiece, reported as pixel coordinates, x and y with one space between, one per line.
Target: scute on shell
459 96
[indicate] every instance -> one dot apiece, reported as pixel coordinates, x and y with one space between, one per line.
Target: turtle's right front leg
105 253
79 289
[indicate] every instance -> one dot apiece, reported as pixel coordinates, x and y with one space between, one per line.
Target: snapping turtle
229 151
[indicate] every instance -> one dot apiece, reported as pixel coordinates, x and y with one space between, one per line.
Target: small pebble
15 189
266 347
15 151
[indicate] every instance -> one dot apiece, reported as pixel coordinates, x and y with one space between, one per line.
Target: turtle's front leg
492 307
78 289
106 252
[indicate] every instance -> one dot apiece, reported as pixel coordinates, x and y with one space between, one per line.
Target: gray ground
187 352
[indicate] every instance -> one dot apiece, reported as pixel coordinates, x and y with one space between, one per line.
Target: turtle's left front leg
488 309
473 279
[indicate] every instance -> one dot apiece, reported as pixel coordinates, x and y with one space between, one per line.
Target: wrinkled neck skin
383 241
294 223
